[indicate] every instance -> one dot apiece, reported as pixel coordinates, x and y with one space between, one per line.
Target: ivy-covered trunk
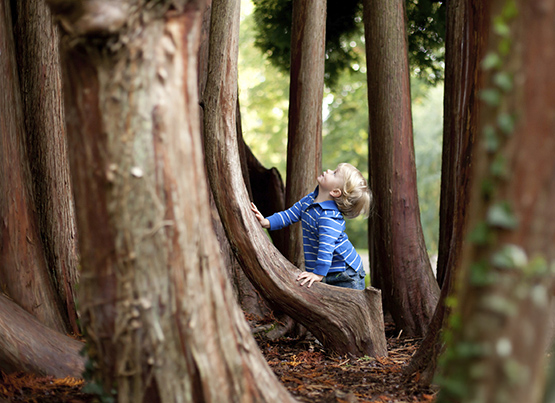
500 326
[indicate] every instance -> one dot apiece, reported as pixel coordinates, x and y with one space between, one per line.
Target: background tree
398 258
500 325
467 32
304 139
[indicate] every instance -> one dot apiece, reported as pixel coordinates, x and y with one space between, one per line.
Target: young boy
329 255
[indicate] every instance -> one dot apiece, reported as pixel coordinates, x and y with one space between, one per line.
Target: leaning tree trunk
304 140
399 262
157 310
23 265
346 321
41 89
467 31
503 305
26 345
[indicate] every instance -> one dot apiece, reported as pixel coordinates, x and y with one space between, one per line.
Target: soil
310 373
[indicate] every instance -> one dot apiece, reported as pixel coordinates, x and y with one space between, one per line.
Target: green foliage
345 35
264 100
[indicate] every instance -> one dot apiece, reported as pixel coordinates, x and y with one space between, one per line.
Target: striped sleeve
287 217
329 229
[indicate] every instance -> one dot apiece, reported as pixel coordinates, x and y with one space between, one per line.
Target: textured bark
27 345
504 304
157 309
41 89
346 321
399 262
23 265
467 32
304 140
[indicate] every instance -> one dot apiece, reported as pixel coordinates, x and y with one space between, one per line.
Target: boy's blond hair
355 195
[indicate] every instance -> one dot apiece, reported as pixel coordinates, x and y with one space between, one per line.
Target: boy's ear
335 193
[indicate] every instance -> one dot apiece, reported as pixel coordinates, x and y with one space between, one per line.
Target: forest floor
309 373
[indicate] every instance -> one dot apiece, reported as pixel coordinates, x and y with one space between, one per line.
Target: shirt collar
326 205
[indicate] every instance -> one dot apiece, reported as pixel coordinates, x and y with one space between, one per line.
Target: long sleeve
287 217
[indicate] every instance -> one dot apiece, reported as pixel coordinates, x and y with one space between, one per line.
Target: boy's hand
309 277
265 223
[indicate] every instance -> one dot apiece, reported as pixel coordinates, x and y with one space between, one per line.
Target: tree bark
41 89
27 345
467 32
503 303
23 265
399 262
304 140
346 321
158 313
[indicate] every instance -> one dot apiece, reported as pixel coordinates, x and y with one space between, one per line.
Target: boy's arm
284 218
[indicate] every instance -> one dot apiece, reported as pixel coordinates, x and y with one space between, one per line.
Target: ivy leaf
501 215
492 60
503 80
510 257
491 96
506 123
491 139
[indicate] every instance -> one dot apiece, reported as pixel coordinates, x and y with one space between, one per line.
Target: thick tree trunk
503 305
346 321
158 312
41 89
467 32
399 262
27 345
23 264
304 140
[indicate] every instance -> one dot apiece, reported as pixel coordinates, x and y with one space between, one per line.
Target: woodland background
128 251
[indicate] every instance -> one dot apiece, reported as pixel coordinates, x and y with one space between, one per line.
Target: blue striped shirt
327 248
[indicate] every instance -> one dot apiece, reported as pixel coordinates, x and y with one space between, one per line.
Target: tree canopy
344 34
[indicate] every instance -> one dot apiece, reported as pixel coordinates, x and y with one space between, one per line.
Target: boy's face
331 180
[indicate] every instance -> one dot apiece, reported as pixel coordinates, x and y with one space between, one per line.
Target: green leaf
491 139
503 80
500 27
491 96
510 257
492 60
498 167
506 123
501 215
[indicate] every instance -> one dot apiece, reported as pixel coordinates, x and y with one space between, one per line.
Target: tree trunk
467 32
503 304
399 262
159 315
304 140
41 89
23 265
27 345
346 321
